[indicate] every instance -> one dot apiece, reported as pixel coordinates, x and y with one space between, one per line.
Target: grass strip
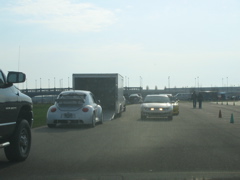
40 114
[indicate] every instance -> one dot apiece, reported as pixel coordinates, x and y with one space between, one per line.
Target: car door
8 106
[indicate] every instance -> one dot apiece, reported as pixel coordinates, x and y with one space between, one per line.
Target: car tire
119 114
51 125
143 117
170 118
93 121
101 120
20 143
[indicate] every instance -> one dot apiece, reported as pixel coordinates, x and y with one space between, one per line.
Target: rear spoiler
67 101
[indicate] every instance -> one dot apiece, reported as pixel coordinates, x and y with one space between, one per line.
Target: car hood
164 105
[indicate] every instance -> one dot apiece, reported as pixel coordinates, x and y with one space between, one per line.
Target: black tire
93 121
143 117
101 120
20 143
51 125
119 114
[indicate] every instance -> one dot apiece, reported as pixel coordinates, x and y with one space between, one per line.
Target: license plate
68 115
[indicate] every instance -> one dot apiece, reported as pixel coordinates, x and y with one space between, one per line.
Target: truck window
2 81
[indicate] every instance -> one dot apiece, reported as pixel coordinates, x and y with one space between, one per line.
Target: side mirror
16 77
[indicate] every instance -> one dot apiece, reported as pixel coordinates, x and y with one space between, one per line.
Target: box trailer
108 88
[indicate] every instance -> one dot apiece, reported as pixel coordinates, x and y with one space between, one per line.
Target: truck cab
16 117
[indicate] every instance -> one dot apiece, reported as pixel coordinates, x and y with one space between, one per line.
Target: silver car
75 107
157 106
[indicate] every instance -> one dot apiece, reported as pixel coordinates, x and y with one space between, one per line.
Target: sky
154 43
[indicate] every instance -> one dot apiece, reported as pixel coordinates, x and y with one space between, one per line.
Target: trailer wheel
20 143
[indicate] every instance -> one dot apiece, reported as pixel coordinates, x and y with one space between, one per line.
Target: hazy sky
179 43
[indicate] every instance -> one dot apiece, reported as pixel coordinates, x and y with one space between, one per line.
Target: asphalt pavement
195 144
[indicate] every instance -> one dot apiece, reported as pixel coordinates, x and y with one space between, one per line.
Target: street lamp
40 83
68 83
140 81
227 90
169 83
198 83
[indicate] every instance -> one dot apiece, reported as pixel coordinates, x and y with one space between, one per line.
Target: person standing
194 99
200 99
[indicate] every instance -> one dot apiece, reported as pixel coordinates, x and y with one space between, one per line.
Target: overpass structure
132 90
42 92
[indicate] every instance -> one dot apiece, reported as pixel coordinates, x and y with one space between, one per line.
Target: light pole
140 81
40 83
125 81
227 90
198 83
169 83
68 83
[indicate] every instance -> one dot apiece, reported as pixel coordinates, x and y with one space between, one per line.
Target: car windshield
172 99
156 99
70 99
134 95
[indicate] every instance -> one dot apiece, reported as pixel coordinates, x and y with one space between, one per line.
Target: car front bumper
156 114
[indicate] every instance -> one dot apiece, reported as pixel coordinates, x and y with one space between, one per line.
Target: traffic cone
220 114
232 119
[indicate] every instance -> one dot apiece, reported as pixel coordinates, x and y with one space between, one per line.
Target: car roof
76 92
163 95
134 94
166 94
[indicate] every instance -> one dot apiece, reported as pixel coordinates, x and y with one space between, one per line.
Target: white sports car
75 107
157 106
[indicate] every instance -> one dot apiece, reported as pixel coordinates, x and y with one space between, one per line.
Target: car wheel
170 118
119 114
124 108
51 125
101 120
93 121
143 117
20 143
